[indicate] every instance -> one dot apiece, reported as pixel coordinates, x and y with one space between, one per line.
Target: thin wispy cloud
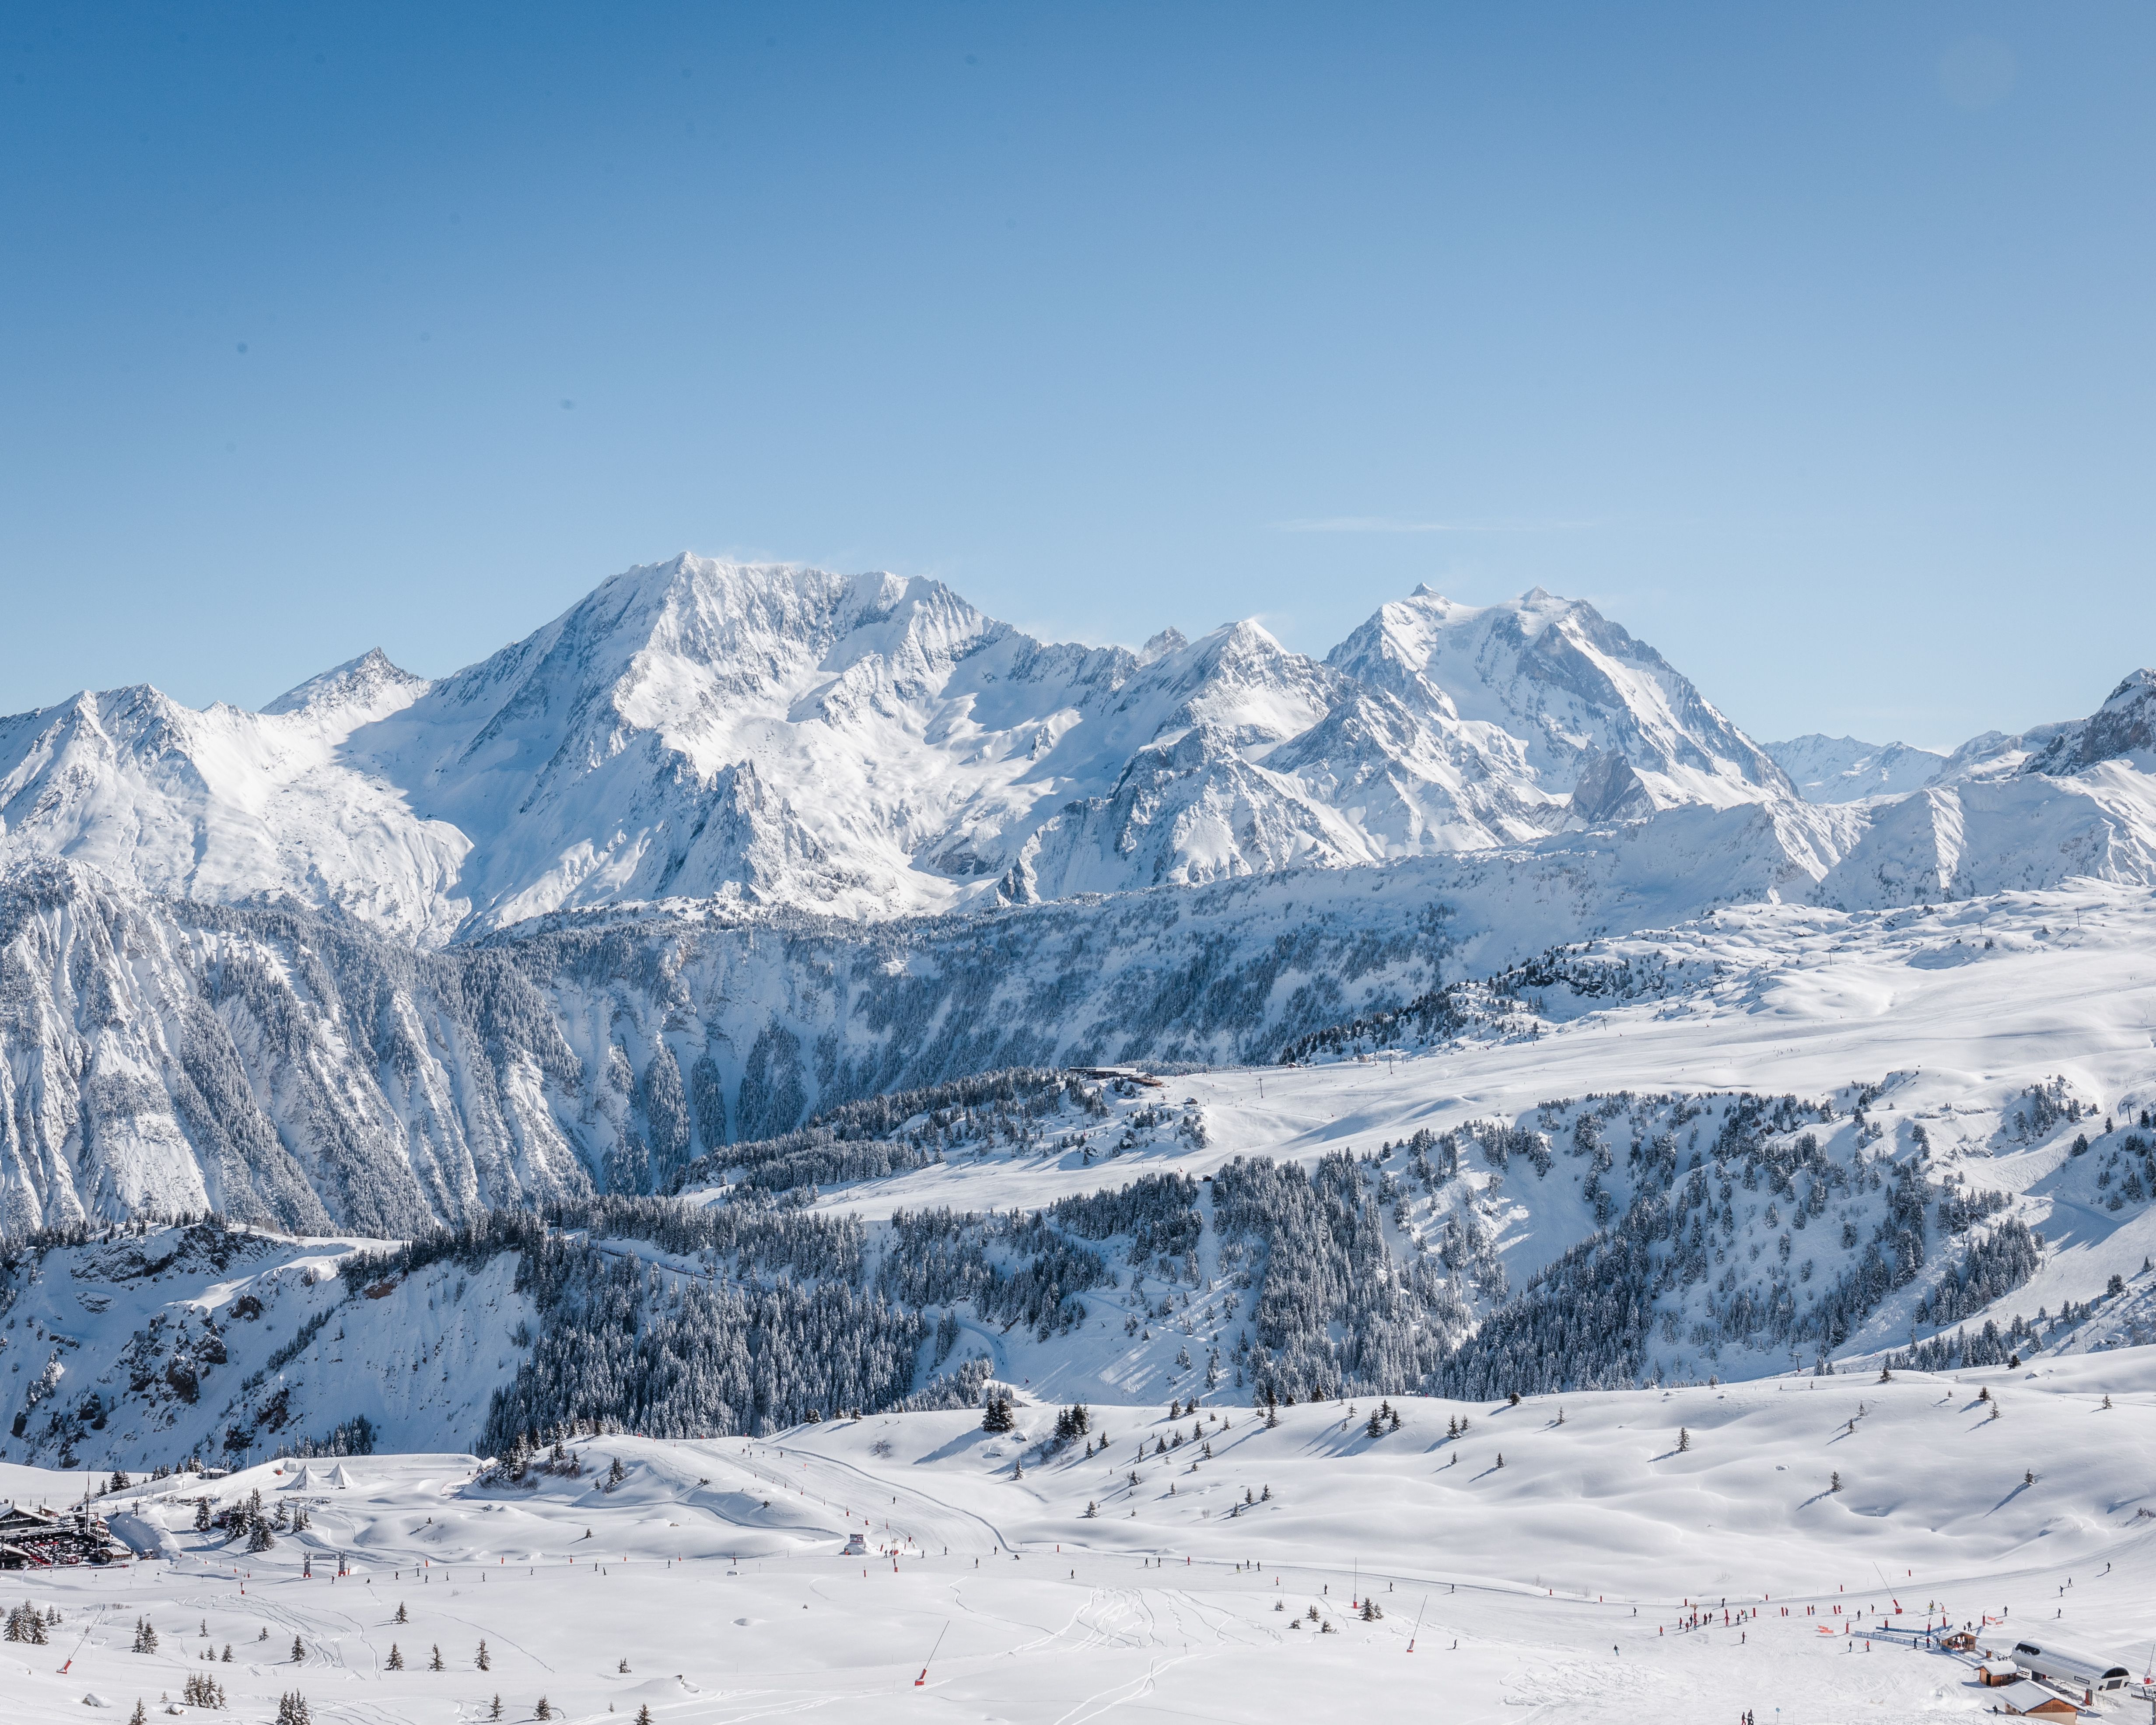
1394 524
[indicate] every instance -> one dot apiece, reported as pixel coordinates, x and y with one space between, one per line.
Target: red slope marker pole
1418 1628
922 1680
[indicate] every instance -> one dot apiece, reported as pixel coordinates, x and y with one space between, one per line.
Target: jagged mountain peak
862 744
1572 687
1847 769
368 686
662 637
2123 728
873 745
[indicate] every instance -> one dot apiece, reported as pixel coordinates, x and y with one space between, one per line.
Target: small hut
1994 1672
2032 1701
1959 1641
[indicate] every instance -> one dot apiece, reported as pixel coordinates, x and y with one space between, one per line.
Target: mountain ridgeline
864 745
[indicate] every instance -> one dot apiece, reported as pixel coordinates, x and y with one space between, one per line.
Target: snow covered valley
1680 1553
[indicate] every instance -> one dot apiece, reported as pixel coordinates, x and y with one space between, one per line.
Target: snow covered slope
1840 769
1777 1135
201 1341
295 1071
865 745
1988 833
298 1071
231 806
1646 1557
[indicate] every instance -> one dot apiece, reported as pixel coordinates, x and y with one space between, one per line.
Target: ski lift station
2071 1668
856 1546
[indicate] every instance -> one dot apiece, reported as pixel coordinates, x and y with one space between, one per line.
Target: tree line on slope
1358 1275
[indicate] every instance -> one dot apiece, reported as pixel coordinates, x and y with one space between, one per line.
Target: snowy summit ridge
867 746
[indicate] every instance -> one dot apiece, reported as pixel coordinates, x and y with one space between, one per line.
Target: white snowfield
1647 1555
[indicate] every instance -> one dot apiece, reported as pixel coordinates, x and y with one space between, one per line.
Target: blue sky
1812 343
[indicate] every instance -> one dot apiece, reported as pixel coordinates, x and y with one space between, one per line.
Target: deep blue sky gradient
1813 343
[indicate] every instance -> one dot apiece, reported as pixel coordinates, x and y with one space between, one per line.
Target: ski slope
1571 1578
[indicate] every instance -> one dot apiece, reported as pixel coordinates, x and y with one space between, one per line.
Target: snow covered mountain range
725 845
870 747
865 745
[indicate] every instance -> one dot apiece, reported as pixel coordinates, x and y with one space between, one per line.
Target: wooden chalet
2032 1701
